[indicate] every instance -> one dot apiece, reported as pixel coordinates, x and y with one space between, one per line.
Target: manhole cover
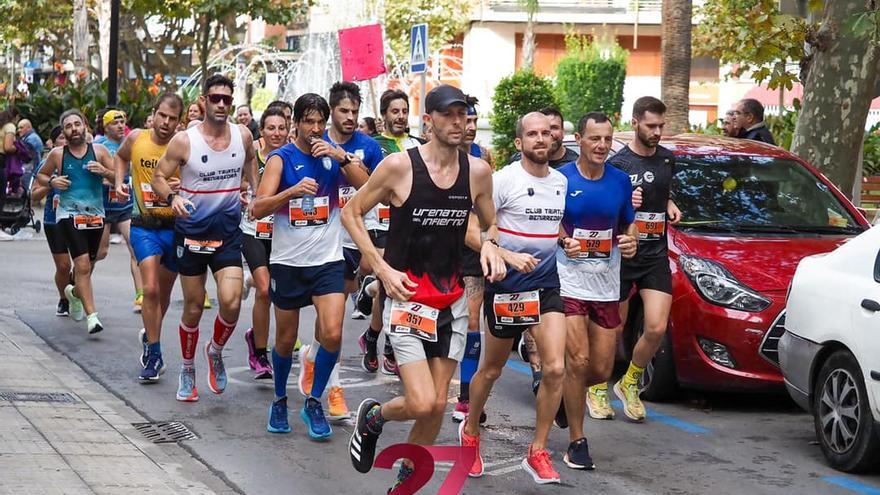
37 397
165 431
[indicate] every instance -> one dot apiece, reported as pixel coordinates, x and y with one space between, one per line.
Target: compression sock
324 363
469 363
189 339
281 367
633 374
222 332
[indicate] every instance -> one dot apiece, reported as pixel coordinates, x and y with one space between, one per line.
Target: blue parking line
852 485
660 417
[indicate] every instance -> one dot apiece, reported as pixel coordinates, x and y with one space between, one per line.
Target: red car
750 213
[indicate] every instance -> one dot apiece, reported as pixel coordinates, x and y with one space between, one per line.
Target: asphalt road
715 443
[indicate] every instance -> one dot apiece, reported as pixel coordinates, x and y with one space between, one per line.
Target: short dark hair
371 124
275 111
55 132
245 106
342 90
597 117
68 113
754 107
390 95
552 111
169 97
310 102
217 80
280 104
648 104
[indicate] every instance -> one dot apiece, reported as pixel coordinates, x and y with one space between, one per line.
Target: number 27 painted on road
424 458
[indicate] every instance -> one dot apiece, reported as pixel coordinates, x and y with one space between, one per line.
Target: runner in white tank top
211 158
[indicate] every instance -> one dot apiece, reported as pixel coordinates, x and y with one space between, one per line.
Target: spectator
750 120
368 126
728 125
245 117
30 138
8 120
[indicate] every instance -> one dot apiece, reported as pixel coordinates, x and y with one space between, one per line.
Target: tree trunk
80 36
103 11
204 45
837 96
528 48
675 72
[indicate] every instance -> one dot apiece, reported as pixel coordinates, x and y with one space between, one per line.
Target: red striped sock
222 332
189 339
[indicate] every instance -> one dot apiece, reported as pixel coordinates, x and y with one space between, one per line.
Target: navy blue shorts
352 262
194 260
292 287
154 242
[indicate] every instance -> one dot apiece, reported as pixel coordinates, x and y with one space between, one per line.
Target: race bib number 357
519 308
415 319
651 226
595 244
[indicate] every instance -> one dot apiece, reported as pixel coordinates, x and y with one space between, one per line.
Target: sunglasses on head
217 98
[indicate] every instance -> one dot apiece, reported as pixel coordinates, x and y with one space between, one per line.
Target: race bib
264 227
415 319
111 195
595 244
345 193
202 246
651 226
384 214
151 200
88 222
518 308
319 214
56 201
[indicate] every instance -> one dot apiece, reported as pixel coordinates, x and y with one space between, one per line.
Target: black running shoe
364 301
362 445
63 308
369 348
578 455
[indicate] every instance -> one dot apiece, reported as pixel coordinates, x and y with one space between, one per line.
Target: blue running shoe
146 345
186 386
312 415
216 370
155 366
278 417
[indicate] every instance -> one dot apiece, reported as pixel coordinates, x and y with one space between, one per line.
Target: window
877 268
294 43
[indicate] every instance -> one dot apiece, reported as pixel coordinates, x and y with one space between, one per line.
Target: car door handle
871 305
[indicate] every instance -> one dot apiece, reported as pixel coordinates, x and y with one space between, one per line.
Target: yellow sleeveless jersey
145 155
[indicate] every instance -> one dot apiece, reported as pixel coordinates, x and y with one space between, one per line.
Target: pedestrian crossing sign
418 49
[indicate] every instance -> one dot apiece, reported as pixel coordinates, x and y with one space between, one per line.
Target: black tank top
426 233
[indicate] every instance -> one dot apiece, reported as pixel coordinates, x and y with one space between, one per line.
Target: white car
830 351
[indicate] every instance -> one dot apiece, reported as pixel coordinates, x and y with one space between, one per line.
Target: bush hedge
590 78
515 96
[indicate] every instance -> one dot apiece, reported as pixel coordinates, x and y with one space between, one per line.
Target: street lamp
113 61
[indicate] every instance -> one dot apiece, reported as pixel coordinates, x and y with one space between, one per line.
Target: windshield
742 193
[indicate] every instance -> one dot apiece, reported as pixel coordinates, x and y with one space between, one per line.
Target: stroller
16 211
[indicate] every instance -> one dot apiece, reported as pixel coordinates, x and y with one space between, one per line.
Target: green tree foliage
515 96
871 159
590 78
27 22
446 19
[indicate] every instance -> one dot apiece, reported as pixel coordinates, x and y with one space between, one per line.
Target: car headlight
719 286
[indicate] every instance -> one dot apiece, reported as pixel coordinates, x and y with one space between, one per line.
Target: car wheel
842 415
658 382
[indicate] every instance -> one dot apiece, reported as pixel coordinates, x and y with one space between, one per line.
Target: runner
431 190
394 107
598 215
650 168
472 273
530 200
118 211
301 186
57 246
345 103
211 158
77 170
256 247
152 225
559 154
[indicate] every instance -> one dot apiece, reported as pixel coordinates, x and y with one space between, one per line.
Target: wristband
170 198
561 241
345 161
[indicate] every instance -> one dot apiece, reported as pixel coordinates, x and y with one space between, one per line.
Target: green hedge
515 96
590 77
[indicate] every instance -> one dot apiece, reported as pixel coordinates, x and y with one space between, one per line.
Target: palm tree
675 74
528 49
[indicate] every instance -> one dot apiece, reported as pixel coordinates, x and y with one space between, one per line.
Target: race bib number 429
519 308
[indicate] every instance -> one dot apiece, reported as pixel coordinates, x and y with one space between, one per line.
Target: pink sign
362 52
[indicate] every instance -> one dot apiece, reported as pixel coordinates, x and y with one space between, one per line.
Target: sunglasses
217 98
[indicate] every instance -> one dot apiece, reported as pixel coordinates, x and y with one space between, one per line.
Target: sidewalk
85 443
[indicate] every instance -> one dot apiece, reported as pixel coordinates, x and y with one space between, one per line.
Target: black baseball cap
441 97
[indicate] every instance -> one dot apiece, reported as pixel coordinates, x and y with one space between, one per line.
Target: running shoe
142 336
63 308
402 475
561 420
462 409
207 304
389 363
186 385
138 303
116 239
252 348
578 455
216 369
370 362
278 417
539 465
598 405
632 405
93 324
312 415
364 300
338 408
263 371
357 315
76 306
297 346
306 372
362 444
154 367
465 440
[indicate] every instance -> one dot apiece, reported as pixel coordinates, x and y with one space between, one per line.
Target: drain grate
37 397
165 431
